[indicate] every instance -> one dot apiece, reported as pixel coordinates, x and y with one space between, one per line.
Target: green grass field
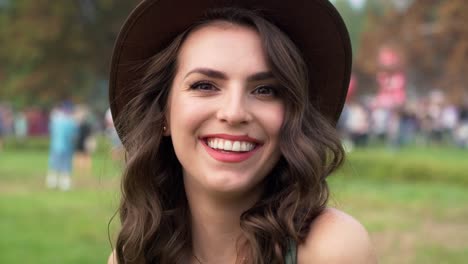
414 202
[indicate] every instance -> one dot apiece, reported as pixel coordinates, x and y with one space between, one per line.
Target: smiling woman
219 102
227 119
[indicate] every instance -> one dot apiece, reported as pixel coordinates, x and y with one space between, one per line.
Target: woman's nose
234 109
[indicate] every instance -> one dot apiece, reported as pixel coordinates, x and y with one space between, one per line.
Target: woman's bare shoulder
336 237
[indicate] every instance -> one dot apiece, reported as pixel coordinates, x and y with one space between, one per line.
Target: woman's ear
166 130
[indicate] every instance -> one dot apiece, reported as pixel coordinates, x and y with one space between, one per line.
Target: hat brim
314 26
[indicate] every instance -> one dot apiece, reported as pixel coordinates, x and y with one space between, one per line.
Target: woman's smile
230 148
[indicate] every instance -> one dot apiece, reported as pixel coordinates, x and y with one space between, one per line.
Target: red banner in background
391 79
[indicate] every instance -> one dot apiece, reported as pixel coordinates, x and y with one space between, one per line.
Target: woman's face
224 115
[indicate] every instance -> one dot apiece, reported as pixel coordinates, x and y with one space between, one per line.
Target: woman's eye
203 86
265 91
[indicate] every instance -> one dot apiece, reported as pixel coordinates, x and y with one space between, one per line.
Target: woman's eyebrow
259 76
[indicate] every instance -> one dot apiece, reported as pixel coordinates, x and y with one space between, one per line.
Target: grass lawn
47 226
414 202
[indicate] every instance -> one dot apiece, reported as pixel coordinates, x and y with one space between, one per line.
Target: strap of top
291 255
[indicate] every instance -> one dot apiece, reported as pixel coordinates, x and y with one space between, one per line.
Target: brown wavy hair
154 212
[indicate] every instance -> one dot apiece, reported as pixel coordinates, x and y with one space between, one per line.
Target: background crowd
71 131
428 120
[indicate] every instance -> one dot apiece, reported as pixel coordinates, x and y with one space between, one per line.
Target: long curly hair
154 213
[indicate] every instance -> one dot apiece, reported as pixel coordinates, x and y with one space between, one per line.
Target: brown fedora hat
315 26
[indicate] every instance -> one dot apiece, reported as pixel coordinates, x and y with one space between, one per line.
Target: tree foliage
56 49
431 35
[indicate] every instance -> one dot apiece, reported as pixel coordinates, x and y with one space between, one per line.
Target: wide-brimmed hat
314 26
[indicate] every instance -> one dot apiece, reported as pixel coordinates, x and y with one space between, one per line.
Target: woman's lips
229 151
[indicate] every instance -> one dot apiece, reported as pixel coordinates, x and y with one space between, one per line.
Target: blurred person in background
85 141
357 124
379 123
63 130
435 107
20 127
6 122
461 129
2 127
342 128
407 125
449 119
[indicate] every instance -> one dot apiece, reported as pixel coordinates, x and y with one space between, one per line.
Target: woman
227 118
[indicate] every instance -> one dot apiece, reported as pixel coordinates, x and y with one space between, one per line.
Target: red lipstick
230 156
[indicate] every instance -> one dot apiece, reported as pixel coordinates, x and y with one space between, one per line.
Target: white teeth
228 145
243 146
220 144
250 145
236 146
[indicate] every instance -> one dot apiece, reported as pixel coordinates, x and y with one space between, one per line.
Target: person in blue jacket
63 131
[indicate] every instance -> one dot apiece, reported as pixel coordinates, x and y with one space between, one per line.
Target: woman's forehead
223 47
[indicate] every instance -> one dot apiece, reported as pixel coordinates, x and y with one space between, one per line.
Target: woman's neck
215 220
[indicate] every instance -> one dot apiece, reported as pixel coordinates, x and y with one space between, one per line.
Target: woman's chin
230 187
226 187
223 183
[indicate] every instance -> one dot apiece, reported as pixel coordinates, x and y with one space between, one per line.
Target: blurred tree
432 35
354 19
56 49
